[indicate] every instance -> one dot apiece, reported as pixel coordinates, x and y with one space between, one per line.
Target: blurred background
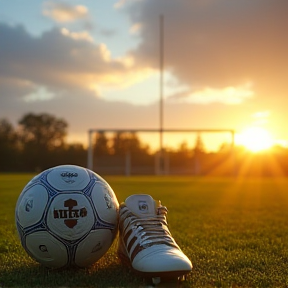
68 67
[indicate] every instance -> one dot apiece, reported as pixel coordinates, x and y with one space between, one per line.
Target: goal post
160 169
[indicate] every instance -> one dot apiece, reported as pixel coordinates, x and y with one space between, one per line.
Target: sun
255 139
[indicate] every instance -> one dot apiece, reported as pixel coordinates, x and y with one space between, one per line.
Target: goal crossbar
159 130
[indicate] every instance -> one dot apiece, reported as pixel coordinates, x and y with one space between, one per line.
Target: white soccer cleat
145 242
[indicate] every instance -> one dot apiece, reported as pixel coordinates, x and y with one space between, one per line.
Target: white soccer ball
67 216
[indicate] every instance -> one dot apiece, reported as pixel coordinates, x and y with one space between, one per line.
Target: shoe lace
152 230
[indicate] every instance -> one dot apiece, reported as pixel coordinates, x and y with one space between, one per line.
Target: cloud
216 43
82 110
261 117
121 3
63 74
40 94
61 61
84 35
228 95
135 28
64 12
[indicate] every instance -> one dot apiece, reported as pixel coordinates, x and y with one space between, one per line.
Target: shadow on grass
114 275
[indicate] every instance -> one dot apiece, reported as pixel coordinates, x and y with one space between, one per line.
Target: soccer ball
67 216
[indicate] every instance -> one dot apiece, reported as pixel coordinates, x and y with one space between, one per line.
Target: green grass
235 231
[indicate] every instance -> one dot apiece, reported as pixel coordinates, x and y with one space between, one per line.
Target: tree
199 145
73 153
8 146
41 134
44 130
135 146
119 146
199 153
101 147
127 142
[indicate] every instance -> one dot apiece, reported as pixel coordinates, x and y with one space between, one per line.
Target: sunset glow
255 139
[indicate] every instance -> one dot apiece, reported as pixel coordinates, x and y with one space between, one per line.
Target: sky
96 64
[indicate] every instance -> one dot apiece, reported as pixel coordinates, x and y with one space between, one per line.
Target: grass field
235 231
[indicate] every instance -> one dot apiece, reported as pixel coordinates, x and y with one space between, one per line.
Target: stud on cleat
156 280
167 282
182 278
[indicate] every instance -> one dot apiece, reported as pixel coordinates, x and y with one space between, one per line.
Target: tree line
39 142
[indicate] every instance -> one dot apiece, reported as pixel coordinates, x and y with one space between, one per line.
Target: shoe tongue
141 205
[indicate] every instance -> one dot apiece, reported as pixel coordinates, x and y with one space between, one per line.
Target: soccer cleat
145 242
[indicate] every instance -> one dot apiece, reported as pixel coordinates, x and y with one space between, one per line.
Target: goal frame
90 156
